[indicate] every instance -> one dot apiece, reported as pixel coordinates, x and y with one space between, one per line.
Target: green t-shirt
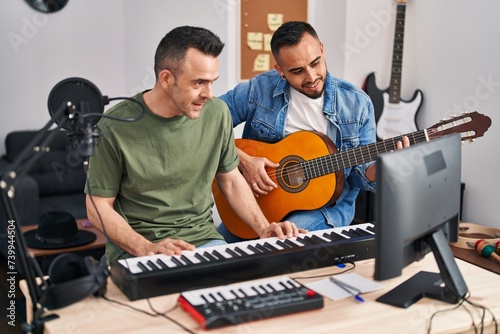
161 169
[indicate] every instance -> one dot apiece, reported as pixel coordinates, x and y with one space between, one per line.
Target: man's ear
166 78
280 70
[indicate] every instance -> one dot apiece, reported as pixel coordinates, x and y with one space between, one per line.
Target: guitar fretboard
397 55
333 162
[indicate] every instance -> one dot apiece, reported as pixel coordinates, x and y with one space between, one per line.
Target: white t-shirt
305 113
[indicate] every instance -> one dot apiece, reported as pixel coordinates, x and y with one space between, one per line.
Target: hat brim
82 238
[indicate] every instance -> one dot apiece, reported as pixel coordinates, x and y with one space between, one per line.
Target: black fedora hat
57 229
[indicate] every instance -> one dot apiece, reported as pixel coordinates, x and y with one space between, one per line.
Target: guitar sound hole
291 175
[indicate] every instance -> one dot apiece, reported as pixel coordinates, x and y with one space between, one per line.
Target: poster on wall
258 21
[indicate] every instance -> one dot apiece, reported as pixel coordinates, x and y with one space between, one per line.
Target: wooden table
95 248
96 315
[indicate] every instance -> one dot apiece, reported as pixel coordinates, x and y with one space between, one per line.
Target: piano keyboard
244 302
150 276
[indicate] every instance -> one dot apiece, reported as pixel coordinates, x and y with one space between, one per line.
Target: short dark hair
289 34
172 49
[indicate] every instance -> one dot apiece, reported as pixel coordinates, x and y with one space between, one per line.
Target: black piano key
334 236
283 244
161 264
214 297
200 257
270 247
143 266
317 239
210 256
352 233
258 289
219 255
266 288
240 290
254 249
313 240
371 229
152 265
232 253
177 261
290 243
363 232
205 299
303 241
221 296
240 251
185 259
262 248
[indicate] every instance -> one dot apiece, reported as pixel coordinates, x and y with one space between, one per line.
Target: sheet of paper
328 289
357 282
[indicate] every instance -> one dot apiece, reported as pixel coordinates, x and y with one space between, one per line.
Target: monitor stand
422 284
448 285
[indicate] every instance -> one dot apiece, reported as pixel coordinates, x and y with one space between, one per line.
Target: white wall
450 53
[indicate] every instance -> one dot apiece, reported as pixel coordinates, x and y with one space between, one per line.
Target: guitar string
326 162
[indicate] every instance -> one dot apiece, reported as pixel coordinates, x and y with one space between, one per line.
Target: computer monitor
417 206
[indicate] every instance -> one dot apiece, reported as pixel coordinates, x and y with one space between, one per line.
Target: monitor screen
417 206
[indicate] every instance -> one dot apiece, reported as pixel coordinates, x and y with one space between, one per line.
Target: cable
484 308
327 275
465 299
154 315
121 119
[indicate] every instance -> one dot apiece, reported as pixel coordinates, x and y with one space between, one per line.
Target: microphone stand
28 264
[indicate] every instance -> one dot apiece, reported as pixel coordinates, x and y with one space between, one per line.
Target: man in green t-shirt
150 180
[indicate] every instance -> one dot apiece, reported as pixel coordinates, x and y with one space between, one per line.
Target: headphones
72 278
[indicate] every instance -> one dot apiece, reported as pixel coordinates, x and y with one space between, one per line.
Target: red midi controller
249 301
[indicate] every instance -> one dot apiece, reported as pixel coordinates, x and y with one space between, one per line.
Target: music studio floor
20 301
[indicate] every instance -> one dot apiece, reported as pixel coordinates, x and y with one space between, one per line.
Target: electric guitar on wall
393 115
311 170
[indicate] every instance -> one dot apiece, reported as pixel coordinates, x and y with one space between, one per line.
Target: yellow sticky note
274 21
254 40
261 62
267 42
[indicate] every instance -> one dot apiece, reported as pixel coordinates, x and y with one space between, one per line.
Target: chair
54 182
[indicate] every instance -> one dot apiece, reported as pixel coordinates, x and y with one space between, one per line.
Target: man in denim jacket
300 94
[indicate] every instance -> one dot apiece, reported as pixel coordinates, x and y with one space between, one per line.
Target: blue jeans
309 220
215 242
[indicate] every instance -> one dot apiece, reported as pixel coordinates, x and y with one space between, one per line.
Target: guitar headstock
470 125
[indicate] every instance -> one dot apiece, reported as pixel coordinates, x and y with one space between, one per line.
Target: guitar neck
357 156
397 55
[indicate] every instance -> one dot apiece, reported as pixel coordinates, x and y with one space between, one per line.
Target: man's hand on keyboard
281 230
170 247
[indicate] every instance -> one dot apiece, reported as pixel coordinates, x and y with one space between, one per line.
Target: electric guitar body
393 115
393 118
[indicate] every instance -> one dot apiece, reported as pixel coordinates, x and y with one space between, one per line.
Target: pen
348 289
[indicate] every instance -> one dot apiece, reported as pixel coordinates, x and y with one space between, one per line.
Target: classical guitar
393 115
310 174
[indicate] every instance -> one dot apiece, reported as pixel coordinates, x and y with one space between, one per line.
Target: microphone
83 104
75 91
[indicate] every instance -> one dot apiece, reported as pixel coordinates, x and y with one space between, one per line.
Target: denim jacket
262 103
